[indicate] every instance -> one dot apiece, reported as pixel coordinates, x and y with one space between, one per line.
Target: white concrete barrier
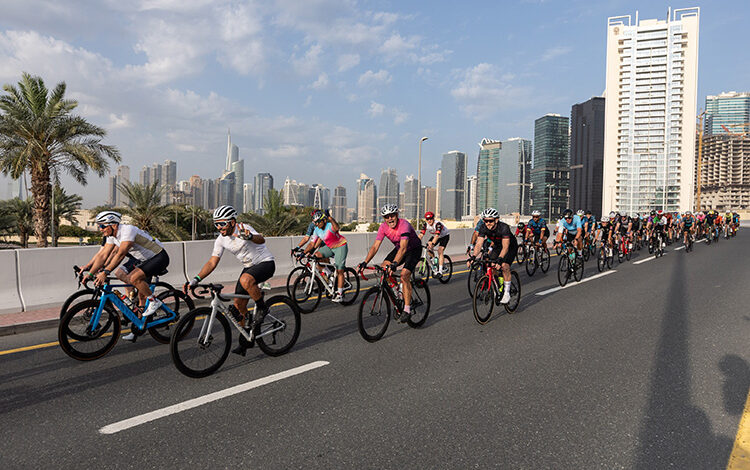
176 269
10 302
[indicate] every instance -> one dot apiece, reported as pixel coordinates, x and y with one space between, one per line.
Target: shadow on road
736 383
675 433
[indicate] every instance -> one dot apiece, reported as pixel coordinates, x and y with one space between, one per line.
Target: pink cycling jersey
403 230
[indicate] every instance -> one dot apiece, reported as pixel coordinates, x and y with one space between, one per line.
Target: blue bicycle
90 329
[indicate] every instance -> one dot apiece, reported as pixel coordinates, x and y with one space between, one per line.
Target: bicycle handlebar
205 289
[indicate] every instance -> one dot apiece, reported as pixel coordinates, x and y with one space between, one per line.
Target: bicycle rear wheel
282 323
420 303
422 271
306 292
515 293
351 286
83 341
578 268
563 270
196 352
532 260
374 314
483 301
180 304
475 272
544 260
447 270
293 275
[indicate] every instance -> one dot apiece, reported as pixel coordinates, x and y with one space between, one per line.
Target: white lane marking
650 258
573 283
679 248
701 240
195 402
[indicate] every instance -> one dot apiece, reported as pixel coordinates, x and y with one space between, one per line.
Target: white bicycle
310 286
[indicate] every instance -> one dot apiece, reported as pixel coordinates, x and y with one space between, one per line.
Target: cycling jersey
563 224
247 252
437 228
144 245
688 221
605 229
496 236
403 230
330 238
636 223
537 226
622 224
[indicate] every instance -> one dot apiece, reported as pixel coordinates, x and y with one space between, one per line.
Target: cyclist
504 243
537 228
475 235
308 234
637 226
624 229
249 247
688 225
604 231
657 224
438 235
710 220
571 226
700 223
407 250
120 273
728 223
150 254
327 232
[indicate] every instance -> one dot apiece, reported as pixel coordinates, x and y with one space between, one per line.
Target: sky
323 90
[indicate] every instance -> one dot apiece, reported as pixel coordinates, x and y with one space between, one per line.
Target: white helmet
108 217
489 213
604 218
225 213
535 213
580 213
389 209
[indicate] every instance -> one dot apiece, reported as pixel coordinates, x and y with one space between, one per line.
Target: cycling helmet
318 216
225 213
490 213
660 212
653 213
688 213
567 213
108 217
521 225
429 215
536 213
604 218
389 209
612 214
588 213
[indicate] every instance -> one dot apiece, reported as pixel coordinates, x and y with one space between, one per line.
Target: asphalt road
643 368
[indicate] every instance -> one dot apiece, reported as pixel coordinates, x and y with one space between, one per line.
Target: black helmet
653 213
567 213
521 225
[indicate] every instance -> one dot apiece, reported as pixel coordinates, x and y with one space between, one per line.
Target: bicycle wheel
628 253
199 352
532 260
79 339
420 303
374 314
475 272
447 270
281 326
180 304
610 258
563 270
558 250
521 254
601 259
586 253
351 286
483 301
306 292
515 293
422 271
75 297
620 253
545 259
293 275
578 268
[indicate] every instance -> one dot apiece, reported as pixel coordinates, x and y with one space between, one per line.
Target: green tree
147 213
66 207
373 227
277 220
16 216
39 134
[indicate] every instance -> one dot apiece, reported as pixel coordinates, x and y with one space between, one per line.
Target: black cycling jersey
496 235
622 225
605 229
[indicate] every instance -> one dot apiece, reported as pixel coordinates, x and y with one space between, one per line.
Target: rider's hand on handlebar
100 279
362 266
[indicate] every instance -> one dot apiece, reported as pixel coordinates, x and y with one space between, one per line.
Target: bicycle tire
307 302
447 266
419 312
546 259
364 316
186 336
601 259
628 253
422 271
350 276
73 297
515 293
563 271
521 254
281 310
578 268
531 262
586 254
293 275
483 298
182 304
475 273
72 343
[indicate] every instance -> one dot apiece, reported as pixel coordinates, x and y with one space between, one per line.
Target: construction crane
743 134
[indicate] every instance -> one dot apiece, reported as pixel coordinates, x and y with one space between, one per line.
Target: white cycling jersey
144 245
436 227
247 252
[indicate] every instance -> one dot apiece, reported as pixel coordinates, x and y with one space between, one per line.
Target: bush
373 227
349 227
73 231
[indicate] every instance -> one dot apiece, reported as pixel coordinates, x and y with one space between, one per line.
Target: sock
440 269
507 287
407 308
341 291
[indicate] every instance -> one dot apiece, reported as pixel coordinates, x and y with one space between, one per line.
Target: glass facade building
587 155
728 111
550 176
453 185
488 169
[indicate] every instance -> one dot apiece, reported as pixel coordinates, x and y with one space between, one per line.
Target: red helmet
429 215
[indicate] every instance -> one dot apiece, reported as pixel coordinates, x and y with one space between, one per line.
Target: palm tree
39 134
147 213
66 207
17 218
276 221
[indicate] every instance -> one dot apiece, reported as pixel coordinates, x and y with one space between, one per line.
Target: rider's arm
99 254
402 245
303 241
474 237
505 248
101 258
119 256
209 267
314 245
334 225
477 246
373 249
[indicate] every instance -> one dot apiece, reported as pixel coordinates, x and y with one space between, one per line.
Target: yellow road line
740 456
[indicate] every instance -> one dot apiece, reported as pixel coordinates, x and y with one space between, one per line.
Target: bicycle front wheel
280 328
563 270
374 314
422 271
601 259
521 254
351 286
515 293
544 259
306 292
83 340
75 297
447 270
200 351
578 268
475 272
483 300
175 301
420 303
531 261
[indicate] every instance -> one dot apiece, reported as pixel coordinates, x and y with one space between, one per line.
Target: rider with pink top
330 244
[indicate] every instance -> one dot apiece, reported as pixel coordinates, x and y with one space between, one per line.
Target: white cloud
119 122
399 117
321 82
370 78
348 61
484 90
310 62
376 109
554 52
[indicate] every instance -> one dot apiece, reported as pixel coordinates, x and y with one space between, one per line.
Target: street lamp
419 181
549 199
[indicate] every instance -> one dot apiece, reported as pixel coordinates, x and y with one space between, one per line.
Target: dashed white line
573 283
679 248
211 397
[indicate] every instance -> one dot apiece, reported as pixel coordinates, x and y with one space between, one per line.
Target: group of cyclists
144 256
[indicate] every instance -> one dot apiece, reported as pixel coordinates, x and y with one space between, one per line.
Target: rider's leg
441 250
406 286
137 278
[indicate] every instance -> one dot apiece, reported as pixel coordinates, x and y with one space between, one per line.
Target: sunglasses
489 221
103 226
389 216
221 224
429 218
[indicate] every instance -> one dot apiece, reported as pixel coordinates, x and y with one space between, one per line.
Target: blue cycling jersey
536 227
573 226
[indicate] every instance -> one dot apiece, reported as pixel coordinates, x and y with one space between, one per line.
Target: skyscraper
226 189
730 110
514 176
263 183
472 196
453 180
209 200
366 199
587 155
430 199
725 181
551 173
389 187
339 204
238 168
410 198
488 174
144 176
438 192
649 131
247 189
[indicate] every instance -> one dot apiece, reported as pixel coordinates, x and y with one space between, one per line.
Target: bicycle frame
218 305
312 265
139 323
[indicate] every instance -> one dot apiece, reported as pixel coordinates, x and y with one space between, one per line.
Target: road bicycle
91 328
310 286
658 243
490 290
623 248
475 268
203 337
605 257
428 266
522 250
712 234
688 242
589 248
375 308
538 256
571 264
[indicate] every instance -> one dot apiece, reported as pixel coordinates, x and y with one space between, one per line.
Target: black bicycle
538 256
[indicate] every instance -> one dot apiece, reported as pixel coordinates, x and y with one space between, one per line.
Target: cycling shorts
155 265
338 255
410 260
569 237
443 241
129 264
261 272
494 256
